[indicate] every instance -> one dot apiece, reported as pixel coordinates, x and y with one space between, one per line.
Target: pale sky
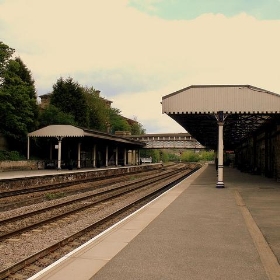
136 51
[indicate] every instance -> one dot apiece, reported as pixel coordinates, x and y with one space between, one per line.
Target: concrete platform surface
194 231
17 174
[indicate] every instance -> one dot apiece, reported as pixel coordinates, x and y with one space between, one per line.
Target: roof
248 108
58 131
227 98
160 135
73 131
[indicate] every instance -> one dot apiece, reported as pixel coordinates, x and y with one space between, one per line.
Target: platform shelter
239 118
91 147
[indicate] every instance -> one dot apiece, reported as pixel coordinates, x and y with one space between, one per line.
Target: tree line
70 103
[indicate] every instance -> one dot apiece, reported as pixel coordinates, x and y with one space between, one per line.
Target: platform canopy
245 109
58 131
61 131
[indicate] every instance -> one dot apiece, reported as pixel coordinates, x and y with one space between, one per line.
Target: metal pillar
79 156
94 156
28 149
138 157
129 157
220 116
124 157
117 156
51 151
107 151
59 152
133 157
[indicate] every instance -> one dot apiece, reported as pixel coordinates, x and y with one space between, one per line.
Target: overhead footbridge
168 141
241 118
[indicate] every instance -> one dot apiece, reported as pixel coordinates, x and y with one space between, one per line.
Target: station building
240 119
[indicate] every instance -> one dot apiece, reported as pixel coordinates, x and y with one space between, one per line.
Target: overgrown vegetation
52 196
159 155
11 155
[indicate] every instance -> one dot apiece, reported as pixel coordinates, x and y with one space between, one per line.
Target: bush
190 156
11 155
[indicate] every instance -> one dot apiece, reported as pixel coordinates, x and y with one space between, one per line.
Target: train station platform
194 231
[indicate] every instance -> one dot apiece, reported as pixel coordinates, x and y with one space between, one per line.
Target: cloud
134 58
189 9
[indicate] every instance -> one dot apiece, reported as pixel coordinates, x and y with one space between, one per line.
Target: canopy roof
247 108
58 131
73 131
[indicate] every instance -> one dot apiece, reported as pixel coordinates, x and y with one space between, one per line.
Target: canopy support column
117 156
106 160
138 157
51 150
79 155
28 147
94 156
124 157
59 152
220 116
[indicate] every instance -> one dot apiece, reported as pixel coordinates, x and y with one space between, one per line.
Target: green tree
164 156
117 122
137 128
98 110
190 156
207 155
5 55
174 157
68 96
52 115
18 103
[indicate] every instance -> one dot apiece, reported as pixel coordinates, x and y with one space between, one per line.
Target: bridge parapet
168 141
173 145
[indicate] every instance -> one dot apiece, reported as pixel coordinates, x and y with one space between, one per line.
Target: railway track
22 197
106 198
60 186
33 219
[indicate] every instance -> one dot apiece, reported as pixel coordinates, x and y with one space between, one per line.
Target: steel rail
65 185
140 184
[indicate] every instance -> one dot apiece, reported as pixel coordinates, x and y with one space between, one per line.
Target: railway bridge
168 141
